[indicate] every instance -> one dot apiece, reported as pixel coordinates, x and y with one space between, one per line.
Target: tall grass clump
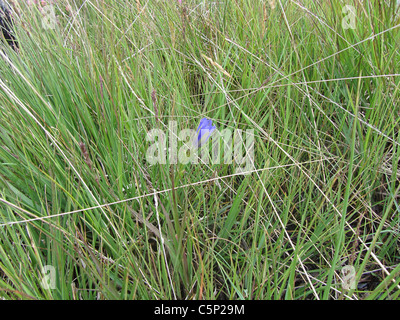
80 202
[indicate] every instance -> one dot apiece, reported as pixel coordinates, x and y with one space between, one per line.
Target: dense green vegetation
78 195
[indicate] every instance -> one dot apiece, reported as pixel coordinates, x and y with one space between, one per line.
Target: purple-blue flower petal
205 127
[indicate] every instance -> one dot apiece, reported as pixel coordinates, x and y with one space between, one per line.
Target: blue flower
203 132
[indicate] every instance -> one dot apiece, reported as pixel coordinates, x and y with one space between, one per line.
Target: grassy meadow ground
84 215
